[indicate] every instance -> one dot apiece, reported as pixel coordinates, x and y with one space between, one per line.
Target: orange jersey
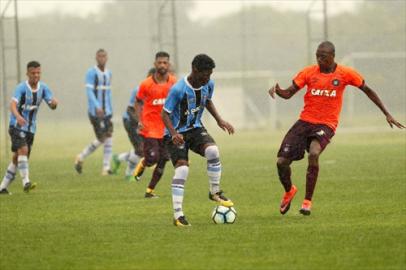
324 95
153 96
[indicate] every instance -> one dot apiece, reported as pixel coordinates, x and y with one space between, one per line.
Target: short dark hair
33 64
203 62
101 50
161 54
329 45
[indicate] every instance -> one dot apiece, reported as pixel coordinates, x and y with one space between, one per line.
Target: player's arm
13 109
91 96
177 138
283 93
371 94
138 106
224 125
51 101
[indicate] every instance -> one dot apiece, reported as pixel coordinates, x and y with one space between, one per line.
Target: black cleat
78 165
4 191
151 195
181 222
29 186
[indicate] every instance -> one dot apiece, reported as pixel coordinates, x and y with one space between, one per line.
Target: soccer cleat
221 199
306 208
287 199
78 164
4 191
181 222
139 170
29 186
106 172
116 164
150 194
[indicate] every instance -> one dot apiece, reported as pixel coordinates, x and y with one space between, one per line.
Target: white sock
132 161
23 168
9 176
178 188
124 156
108 152
213 168
89 149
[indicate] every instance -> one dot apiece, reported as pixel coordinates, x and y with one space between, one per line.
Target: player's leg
179 158
134 155
108 145
321 136
9 175
151 156
203 144
158 170
88 150
292 148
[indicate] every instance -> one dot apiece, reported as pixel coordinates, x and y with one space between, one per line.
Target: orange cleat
306 208
286 200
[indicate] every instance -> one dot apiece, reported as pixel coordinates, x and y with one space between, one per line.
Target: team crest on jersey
336 82
22 134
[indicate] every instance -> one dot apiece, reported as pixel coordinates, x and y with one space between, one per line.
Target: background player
318 121
148 106
130 121
24 107
100 110
182 117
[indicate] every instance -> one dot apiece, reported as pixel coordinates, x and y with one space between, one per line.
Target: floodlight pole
325 20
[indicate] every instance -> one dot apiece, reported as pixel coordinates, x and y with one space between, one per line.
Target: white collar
99 70
36 88
190 86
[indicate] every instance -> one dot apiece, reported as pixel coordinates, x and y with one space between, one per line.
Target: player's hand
177 139
100 112
226 126
392 122
53 104
273 90
21 121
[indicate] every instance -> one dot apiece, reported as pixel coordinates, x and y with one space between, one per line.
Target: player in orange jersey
148 106
318 121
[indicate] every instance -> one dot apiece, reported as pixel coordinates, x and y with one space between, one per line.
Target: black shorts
194 140
299 137
136 140
154 151
20 139
103 127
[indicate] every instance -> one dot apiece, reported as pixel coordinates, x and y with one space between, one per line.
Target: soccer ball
224 215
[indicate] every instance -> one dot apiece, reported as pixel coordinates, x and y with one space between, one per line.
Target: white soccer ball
224 215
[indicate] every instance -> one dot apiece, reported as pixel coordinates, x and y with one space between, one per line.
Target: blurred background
254 45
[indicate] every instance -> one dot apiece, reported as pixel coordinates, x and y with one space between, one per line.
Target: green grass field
93 222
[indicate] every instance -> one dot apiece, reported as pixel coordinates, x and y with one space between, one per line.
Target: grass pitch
92 222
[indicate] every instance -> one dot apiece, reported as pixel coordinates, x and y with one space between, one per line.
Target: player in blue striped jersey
24 107
182 114
130 122
100 111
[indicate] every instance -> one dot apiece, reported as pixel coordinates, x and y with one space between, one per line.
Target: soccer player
100 111
182 114
24 107
148 106
318 121
130 121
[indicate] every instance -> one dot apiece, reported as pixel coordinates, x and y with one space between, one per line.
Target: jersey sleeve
18 93
300 80
90 78
47 94
173 99
142 92
211 89
354 78
133 95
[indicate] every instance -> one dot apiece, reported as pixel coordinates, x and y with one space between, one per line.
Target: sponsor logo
325 93
29 107
286 148
204 134
158 101
336 82
22 134
192 111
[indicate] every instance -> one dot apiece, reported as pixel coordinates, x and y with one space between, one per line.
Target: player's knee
314 156
151 160
181 172
180 163
282 162
212 152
